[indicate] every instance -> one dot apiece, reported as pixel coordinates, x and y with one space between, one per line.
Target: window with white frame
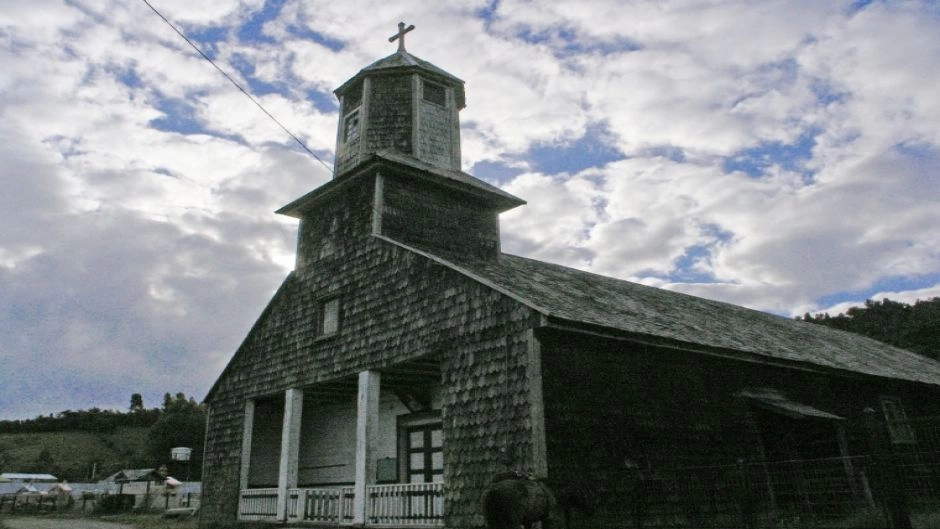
899 427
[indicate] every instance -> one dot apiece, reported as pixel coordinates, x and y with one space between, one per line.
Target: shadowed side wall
621 417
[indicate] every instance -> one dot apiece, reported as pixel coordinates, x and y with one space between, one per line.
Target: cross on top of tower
400 36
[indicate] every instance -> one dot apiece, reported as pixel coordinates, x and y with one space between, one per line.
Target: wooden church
406 359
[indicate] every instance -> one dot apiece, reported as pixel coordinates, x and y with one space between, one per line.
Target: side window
899 427
329 316
351 126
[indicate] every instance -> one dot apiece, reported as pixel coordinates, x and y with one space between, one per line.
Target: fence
407 504
896 485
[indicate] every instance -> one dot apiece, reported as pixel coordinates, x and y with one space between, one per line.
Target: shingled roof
585 298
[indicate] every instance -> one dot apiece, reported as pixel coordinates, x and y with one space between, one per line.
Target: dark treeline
93 420
913 327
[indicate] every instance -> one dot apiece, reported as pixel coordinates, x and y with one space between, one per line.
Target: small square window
899 427
329 316
351 126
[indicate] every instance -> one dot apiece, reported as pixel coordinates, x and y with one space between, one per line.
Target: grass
74 451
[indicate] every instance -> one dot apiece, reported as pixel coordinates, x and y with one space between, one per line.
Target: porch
411 504
361 450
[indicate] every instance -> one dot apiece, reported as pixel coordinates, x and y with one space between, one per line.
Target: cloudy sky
782 155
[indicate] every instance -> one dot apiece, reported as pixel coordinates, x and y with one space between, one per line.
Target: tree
916 328
137 402
182 423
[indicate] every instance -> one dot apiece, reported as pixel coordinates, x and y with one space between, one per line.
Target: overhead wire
234 82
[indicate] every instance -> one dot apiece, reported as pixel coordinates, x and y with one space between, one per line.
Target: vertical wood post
378 204
536 406
290 449
367 425
887 481
248 427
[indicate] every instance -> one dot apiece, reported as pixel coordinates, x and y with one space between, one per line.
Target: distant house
139 481
14 477
407 360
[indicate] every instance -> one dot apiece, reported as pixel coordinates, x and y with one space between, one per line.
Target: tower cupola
401 104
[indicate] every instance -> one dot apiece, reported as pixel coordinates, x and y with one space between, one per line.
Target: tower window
434 93
351 126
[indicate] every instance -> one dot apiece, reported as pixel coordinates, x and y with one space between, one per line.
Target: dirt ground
58 523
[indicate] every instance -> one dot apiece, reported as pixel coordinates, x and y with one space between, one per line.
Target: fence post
887 480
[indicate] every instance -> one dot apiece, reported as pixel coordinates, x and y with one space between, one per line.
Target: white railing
406 504
332 506
257 504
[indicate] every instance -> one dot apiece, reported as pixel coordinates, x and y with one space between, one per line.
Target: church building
406 360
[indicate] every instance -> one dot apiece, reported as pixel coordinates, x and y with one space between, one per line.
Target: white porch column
290 448
367 426
248 428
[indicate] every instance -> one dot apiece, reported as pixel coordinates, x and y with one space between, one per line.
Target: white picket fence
257 504
406 504
416 504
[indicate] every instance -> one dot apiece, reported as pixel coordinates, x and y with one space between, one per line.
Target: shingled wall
396 305
390 114
616 411
437 128
437 219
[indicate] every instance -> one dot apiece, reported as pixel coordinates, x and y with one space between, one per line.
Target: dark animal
512 500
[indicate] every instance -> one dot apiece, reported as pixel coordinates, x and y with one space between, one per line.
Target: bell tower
400 104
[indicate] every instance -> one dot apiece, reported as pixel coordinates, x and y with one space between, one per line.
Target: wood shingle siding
396 305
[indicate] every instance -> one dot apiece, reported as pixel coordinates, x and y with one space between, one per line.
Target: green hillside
72 454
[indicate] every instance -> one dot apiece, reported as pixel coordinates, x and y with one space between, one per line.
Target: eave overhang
404 165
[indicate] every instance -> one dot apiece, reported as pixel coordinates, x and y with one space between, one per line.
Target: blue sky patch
886 284
498 172
685 270
256 86
755 161
323 101
128 77
826 94
588 151
859 5
321 39
670 152
250 31
565 41
916 150
488 13
179 116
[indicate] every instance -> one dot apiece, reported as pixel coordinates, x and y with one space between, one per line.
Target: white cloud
122 239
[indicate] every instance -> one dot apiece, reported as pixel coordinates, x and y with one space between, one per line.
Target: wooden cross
400 36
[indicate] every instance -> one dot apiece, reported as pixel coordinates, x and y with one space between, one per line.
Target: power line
234 82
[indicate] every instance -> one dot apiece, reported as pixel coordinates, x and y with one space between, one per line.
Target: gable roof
585 298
